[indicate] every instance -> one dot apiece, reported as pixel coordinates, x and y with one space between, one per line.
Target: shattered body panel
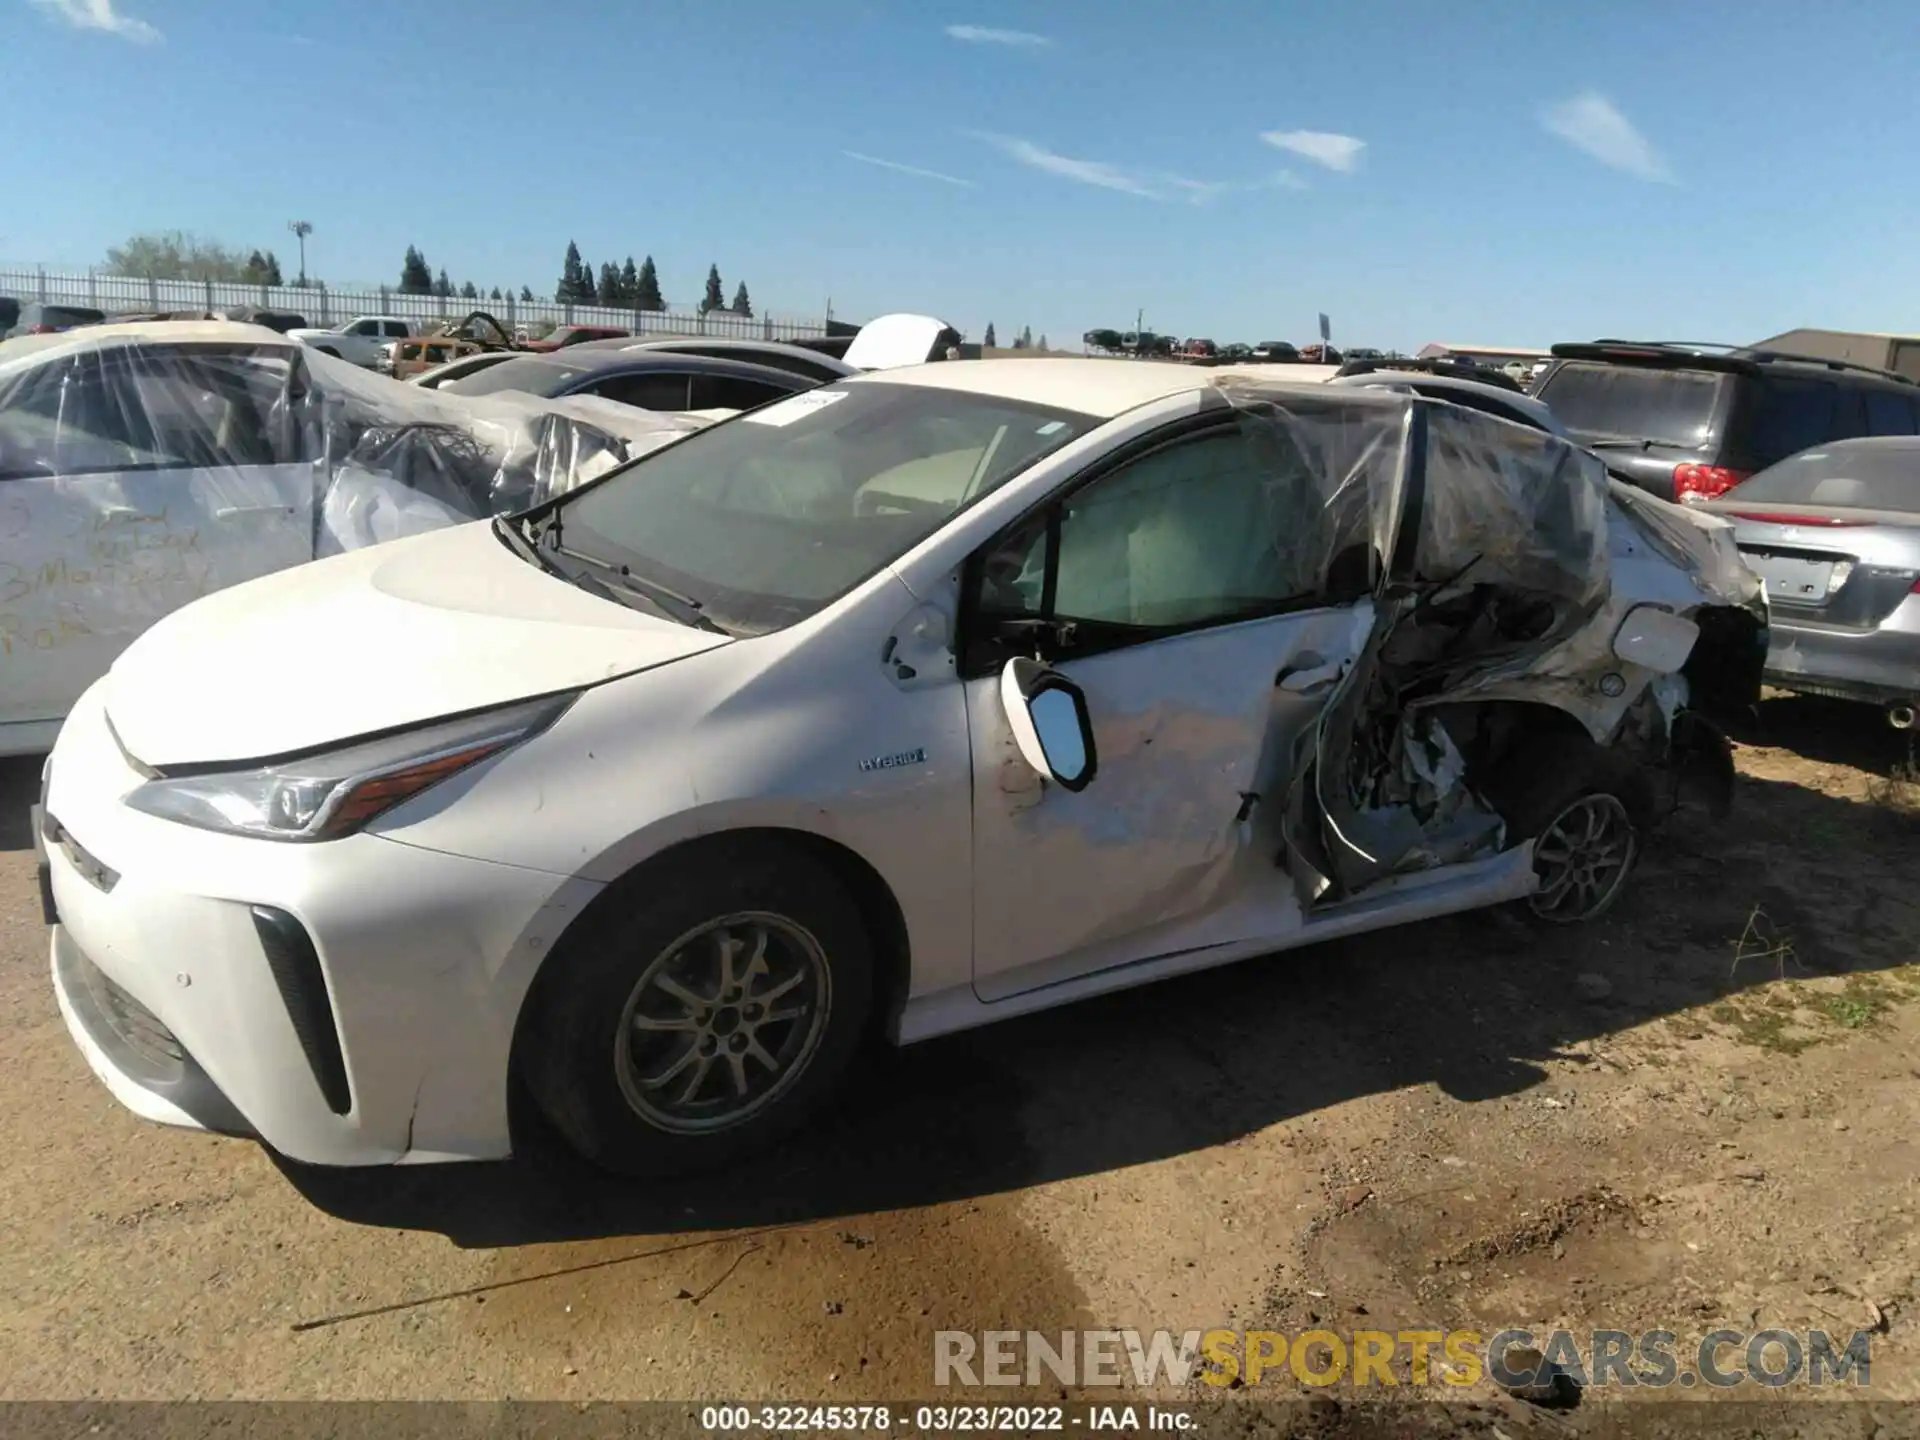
1512 576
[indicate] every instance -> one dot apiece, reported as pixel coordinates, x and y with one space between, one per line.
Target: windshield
766 519
1856 477
1635 402
526 373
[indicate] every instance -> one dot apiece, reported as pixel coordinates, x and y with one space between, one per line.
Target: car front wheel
707 1006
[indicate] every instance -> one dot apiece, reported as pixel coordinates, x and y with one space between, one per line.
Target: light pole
302 229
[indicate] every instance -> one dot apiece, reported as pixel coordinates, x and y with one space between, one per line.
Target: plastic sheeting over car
1444 497
144 466
224 400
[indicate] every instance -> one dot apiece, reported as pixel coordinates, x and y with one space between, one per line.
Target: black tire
1545 782
570 1048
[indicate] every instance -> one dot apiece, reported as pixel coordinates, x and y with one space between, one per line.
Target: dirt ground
1697 1114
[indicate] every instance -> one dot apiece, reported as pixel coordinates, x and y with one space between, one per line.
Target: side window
395 329
1200 532
1849 413
730 392
652 390
1790 415
202 411
1890 413
62 418
364 327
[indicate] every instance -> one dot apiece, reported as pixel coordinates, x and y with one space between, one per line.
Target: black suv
1689 422
42 319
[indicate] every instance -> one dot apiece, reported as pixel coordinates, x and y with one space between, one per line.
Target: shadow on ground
1473 1005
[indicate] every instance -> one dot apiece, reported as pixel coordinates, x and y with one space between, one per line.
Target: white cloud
985 35
1590 123
907 169
100 15
1336 152
1280 180
1085 172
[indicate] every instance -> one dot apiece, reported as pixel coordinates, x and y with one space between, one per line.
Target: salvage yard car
892 708
143 466
1834 532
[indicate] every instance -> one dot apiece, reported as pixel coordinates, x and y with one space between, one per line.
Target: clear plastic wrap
142 466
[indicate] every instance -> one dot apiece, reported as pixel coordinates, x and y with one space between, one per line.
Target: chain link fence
323 307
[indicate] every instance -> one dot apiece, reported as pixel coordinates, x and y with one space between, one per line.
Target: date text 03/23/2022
944 1419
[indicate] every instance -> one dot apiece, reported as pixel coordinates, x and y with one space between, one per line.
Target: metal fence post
41 294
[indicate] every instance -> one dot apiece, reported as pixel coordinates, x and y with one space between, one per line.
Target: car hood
372 640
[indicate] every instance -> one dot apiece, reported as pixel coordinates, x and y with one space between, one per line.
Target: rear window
1635 402
1891 413
1857 476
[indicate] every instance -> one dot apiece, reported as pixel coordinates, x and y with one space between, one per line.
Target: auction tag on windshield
794 407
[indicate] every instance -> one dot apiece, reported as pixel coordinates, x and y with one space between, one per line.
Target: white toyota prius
883 711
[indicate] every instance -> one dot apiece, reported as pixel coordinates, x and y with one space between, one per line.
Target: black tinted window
1864 477
1635 402
729 392
654 390
526 373
1891 413
68 315
1788 414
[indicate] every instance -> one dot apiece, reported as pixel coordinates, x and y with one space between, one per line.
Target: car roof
171 332
1440 385
1104 388
596 362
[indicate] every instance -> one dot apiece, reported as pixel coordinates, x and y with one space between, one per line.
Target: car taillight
1695 483
41 330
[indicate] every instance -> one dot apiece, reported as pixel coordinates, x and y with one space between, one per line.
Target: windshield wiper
684 608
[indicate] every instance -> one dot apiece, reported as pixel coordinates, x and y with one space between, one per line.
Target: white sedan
886 710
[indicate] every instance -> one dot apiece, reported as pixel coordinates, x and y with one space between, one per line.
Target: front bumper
1878 666
349 1003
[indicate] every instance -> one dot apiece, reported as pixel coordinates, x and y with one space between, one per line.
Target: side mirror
1048 715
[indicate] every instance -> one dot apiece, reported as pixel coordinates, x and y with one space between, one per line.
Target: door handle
1307 681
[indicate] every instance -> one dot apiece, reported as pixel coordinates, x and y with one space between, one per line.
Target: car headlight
337 792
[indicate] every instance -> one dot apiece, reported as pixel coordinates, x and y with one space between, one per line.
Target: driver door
1178 592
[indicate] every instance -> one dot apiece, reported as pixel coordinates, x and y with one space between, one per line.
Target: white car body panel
850 727
461 623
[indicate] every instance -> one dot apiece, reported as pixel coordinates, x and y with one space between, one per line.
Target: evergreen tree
274 277
468 292
647 287
741 304
1026 337
629 283
415 277
990 343
609 294
716 296
571 277
526 293
442 286
255 270
496 295
1043 342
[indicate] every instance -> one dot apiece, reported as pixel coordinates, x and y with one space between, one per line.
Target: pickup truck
360 340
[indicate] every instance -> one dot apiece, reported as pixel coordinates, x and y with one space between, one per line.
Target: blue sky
1482 172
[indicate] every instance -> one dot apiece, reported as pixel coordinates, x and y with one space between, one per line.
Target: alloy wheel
723 1022
1582 859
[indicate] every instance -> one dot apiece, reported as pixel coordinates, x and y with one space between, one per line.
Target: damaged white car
145 465
917 701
